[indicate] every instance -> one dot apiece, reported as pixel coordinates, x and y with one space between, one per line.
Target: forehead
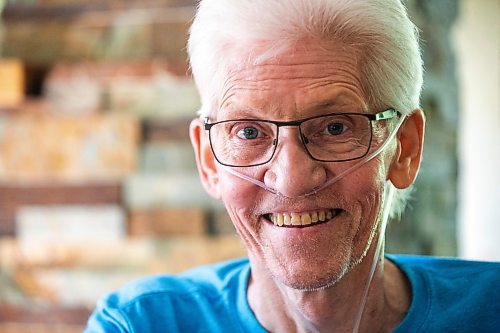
295 83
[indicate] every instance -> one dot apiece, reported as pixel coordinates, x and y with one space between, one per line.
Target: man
310 128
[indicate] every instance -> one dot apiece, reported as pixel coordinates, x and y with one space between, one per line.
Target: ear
406 161
205 159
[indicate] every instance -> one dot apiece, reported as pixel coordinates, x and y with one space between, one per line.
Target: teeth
314 217
305 219
280 219
296 219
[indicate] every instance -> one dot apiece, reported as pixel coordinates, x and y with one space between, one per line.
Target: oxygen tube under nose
336 178
386 206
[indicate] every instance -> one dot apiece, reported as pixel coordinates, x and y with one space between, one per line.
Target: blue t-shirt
448 295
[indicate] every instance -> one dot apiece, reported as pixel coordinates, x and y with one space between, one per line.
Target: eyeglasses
336 137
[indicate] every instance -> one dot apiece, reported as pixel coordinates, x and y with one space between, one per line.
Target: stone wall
429 223
98 184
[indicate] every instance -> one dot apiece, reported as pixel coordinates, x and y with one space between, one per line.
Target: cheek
237 193
241 199
369 212
366 192
371 177
364 181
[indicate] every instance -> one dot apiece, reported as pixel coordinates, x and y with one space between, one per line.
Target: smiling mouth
301 220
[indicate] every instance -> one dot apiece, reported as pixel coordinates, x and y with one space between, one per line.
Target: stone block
43 231
11 82
97 147
167 222
9 327
166 158
90 193
162 96
72 89
98 30
7 219
181 253
15 195
9 256
82 282
143 191
141 88
128 254
166 130
75 287
38 319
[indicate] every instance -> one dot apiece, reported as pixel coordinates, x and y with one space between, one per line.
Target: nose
292 172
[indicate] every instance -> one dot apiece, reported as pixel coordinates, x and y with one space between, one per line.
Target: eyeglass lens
328 138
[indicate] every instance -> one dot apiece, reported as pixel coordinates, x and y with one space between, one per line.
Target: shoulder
446 268
168 301
451 276
209 279
451 294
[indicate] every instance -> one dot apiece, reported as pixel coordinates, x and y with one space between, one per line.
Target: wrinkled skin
307 81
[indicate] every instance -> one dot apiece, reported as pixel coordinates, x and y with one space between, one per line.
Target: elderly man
310 131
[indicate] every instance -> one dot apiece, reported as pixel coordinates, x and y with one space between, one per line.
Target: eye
335 128
248 133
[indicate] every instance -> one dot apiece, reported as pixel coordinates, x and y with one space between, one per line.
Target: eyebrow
313 109
332 104
244 112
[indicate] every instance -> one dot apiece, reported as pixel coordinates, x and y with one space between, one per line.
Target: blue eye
335 128
248 133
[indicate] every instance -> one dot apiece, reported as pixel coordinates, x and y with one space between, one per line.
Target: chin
311 284
313 275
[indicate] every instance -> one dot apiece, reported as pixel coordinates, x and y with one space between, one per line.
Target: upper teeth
296 219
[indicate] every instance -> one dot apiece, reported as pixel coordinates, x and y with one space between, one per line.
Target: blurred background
98 184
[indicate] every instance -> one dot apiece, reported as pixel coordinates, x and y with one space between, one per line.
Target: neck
334 309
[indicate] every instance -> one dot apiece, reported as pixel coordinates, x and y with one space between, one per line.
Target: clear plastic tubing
388 197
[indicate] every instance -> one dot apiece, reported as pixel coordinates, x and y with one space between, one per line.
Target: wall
98 184
428 226
477 39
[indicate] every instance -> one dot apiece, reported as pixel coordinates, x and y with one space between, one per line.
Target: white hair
380 31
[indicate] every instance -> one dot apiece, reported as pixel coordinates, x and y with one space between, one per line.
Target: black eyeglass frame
383 115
